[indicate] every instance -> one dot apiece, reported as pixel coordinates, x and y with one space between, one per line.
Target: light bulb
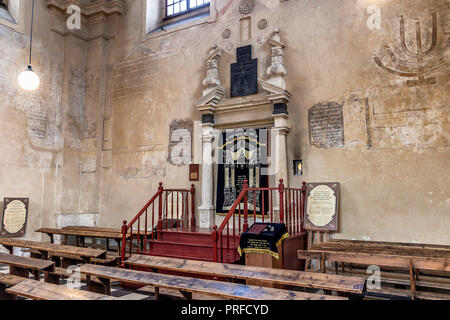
28 79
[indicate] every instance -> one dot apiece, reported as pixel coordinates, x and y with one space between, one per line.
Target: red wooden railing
284 205
179 215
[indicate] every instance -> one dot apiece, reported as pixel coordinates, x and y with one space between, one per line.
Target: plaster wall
94 139
393 166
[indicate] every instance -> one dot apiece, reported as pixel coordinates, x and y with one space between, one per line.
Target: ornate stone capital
212 79
281 123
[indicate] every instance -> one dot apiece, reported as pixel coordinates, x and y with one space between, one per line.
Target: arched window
177 7
174 15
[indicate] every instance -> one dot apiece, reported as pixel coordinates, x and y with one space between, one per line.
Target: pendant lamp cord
31 31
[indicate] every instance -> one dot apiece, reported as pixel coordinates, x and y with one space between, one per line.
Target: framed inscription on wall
322 206
14 217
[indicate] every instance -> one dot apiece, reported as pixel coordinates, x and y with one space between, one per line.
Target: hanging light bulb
28 79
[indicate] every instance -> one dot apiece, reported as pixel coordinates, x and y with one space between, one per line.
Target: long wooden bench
188 286
396 258
384 244
22 266
47 249
341 284
37 290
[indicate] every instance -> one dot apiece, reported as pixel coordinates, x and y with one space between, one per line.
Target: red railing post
193 205
214 238
160 206
245 187
124 243
303 199
281 192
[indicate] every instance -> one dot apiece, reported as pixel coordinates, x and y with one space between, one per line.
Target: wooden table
341 284
22 266
45 248
37 290
82 234
188 286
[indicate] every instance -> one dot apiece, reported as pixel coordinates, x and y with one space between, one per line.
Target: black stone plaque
326 125
244 73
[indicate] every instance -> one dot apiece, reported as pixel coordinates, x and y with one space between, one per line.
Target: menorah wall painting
420 64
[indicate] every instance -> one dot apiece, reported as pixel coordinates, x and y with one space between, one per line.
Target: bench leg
57 261
51 278
4 295
37 275
107 284
323 264
186 295
157 293
413 280
103 288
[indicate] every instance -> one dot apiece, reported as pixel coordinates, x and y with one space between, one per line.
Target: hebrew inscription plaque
14 219
326 125
322 204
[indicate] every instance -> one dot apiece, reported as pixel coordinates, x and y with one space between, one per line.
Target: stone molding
89 9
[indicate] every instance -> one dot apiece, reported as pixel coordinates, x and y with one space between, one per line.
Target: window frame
189 10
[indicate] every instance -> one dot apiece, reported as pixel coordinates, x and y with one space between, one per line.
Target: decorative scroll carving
417 64
213 91
277 71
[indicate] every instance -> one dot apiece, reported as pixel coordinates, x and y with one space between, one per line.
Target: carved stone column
213 93
275 86
281 128
206 210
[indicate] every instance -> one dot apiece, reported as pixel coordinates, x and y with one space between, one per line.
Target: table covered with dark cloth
263 238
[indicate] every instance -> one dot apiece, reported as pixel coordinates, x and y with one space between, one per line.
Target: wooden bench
82 234
22 266
6 281
341 284
383 244
188 286
396 258
47 249
37 290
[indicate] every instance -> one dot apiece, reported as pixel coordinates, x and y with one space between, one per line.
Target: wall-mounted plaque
322 206
326 125
194 170
14 218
